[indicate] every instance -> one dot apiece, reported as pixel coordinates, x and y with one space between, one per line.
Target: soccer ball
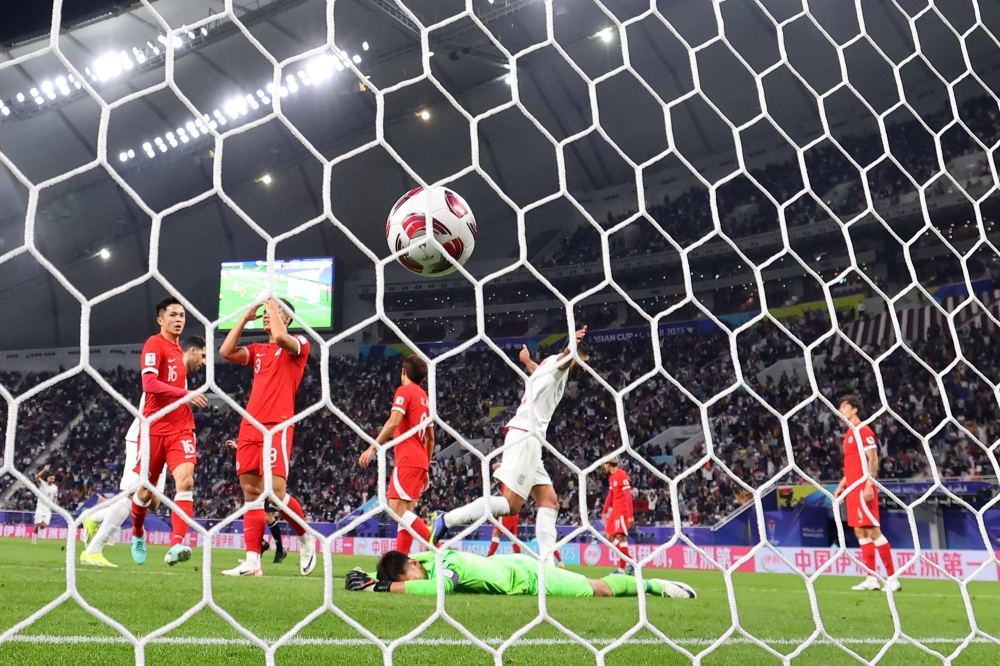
453 223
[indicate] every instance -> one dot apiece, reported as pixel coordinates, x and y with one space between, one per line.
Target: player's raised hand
251 314
525 354
582 332
197 399
231 443
367 456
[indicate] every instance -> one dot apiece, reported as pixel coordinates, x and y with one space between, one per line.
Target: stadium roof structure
92 232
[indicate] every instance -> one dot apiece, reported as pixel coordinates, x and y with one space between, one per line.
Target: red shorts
406 483
510 522
174 449
250 451
617 523
859 512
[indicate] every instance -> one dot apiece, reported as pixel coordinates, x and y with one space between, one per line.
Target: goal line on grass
461 642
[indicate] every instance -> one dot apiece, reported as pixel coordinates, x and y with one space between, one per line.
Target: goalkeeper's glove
358 581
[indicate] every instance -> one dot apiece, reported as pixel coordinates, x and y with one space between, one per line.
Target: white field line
361 642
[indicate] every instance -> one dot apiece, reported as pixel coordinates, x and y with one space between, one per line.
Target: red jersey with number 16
853 466
276 378
411 402
165 359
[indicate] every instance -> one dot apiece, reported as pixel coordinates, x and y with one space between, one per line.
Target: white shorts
521 468
43 514
130 478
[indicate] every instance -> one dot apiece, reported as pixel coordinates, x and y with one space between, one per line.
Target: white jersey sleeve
548 382
133 430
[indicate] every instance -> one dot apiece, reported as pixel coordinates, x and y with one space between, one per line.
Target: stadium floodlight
606 35
5 111
265 179
104 254
356 58
122 157
126 60
204 31
364 45
20 97
131 153
425 115
107 66
39 100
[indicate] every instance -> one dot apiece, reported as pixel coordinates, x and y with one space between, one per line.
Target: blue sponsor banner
706 326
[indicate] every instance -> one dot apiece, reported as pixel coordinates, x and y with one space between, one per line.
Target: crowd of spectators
745 210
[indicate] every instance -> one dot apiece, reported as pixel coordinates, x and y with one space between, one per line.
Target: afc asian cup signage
592 554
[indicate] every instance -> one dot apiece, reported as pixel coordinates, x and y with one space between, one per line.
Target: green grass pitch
316 315
771 607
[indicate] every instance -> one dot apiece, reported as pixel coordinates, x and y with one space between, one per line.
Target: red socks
881 544
404 540
868 554
254 523
296 508
622 547
179 528
557 556
493 546
517 549
138 516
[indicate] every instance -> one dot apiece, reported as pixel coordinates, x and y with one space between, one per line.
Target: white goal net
887 131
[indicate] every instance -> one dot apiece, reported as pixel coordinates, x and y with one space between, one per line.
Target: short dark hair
415 368
852 400
195 341
162 306
613 462
392 566
287 304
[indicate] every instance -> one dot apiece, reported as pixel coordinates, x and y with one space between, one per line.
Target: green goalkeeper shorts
563 583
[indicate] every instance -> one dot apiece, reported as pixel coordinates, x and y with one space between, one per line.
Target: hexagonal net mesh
830 343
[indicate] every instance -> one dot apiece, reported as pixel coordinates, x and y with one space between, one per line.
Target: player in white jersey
521 470
102 526
43 514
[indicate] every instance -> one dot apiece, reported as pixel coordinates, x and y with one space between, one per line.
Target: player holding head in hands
409 478
862 502
521 470
278 366
617 512
501 574
43 514
171 437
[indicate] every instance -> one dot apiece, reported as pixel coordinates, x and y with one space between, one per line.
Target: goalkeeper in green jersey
500 574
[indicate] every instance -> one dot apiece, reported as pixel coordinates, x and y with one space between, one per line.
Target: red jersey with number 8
165 359
276 378
411 402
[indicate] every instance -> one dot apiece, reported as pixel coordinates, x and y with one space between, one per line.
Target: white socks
114 516
408 518
253 559
545 533
473 511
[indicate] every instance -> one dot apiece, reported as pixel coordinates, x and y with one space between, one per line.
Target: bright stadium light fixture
266 179
131 153
204 31
5 111
425 115
364 45
606 35
104 254
356 58
123 156
20 97
39 100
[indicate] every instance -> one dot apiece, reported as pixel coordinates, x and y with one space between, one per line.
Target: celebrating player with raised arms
502 574
862 502
43 514
409 478
171 437
521 469
617 512
278 366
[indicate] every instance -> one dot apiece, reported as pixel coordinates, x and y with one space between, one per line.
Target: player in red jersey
278 366
409 479
617 512
862 501
171 437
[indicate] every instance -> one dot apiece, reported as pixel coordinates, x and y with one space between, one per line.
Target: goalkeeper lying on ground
500 574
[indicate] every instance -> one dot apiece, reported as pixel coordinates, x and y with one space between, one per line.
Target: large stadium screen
305 283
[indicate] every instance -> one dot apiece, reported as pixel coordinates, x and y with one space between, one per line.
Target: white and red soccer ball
451 220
